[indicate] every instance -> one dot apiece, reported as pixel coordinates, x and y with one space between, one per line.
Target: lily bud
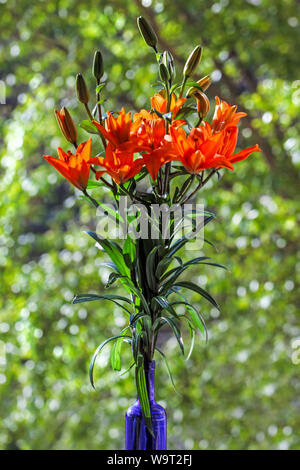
98 69
202 104
204 82
81 89
163 73
169 63
192 61
147 32
66 125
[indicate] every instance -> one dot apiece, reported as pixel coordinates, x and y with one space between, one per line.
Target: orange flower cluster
205 147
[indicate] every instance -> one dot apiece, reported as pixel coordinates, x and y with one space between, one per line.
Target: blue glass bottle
137 436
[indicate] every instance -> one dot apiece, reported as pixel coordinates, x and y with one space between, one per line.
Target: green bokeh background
241 390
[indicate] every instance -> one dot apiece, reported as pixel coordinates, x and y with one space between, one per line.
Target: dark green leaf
199 290
150 268
174 327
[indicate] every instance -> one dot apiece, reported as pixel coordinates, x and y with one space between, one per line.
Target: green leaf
176 246
142 392
137 317
185 111
150 268
113 277
129 251
94 184
196 316
164 304
128 369
183 266
98 350
139 294
89 127
199 290
162 266
192 333
79 298
174 327
115 355
112 213
111 265
168 369
194 85
114 252
89 297
141 175
99 87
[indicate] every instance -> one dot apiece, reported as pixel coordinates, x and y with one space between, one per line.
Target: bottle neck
150 379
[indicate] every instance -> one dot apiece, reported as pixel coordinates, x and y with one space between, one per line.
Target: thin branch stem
88 111
100 113
182 86
200 185
199 122
132 196
94 202
185 188
168 165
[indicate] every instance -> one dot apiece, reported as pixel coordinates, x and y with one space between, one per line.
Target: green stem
200 185
168 165
100 113
94 202
185 188
132 196
199 122
182 86
92 119
88 111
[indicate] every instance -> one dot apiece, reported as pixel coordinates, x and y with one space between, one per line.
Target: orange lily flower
159 102
74 167
225 116
155 159
156 143
196 152
229 144
120 165
118 131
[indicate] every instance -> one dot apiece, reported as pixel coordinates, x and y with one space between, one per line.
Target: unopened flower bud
66 125
202 104
163 73
98 69
81 89
169 63
203 82
192 61
147 32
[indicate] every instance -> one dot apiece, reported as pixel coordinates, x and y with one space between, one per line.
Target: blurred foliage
241 390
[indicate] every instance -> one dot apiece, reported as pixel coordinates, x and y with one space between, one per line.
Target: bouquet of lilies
159 156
